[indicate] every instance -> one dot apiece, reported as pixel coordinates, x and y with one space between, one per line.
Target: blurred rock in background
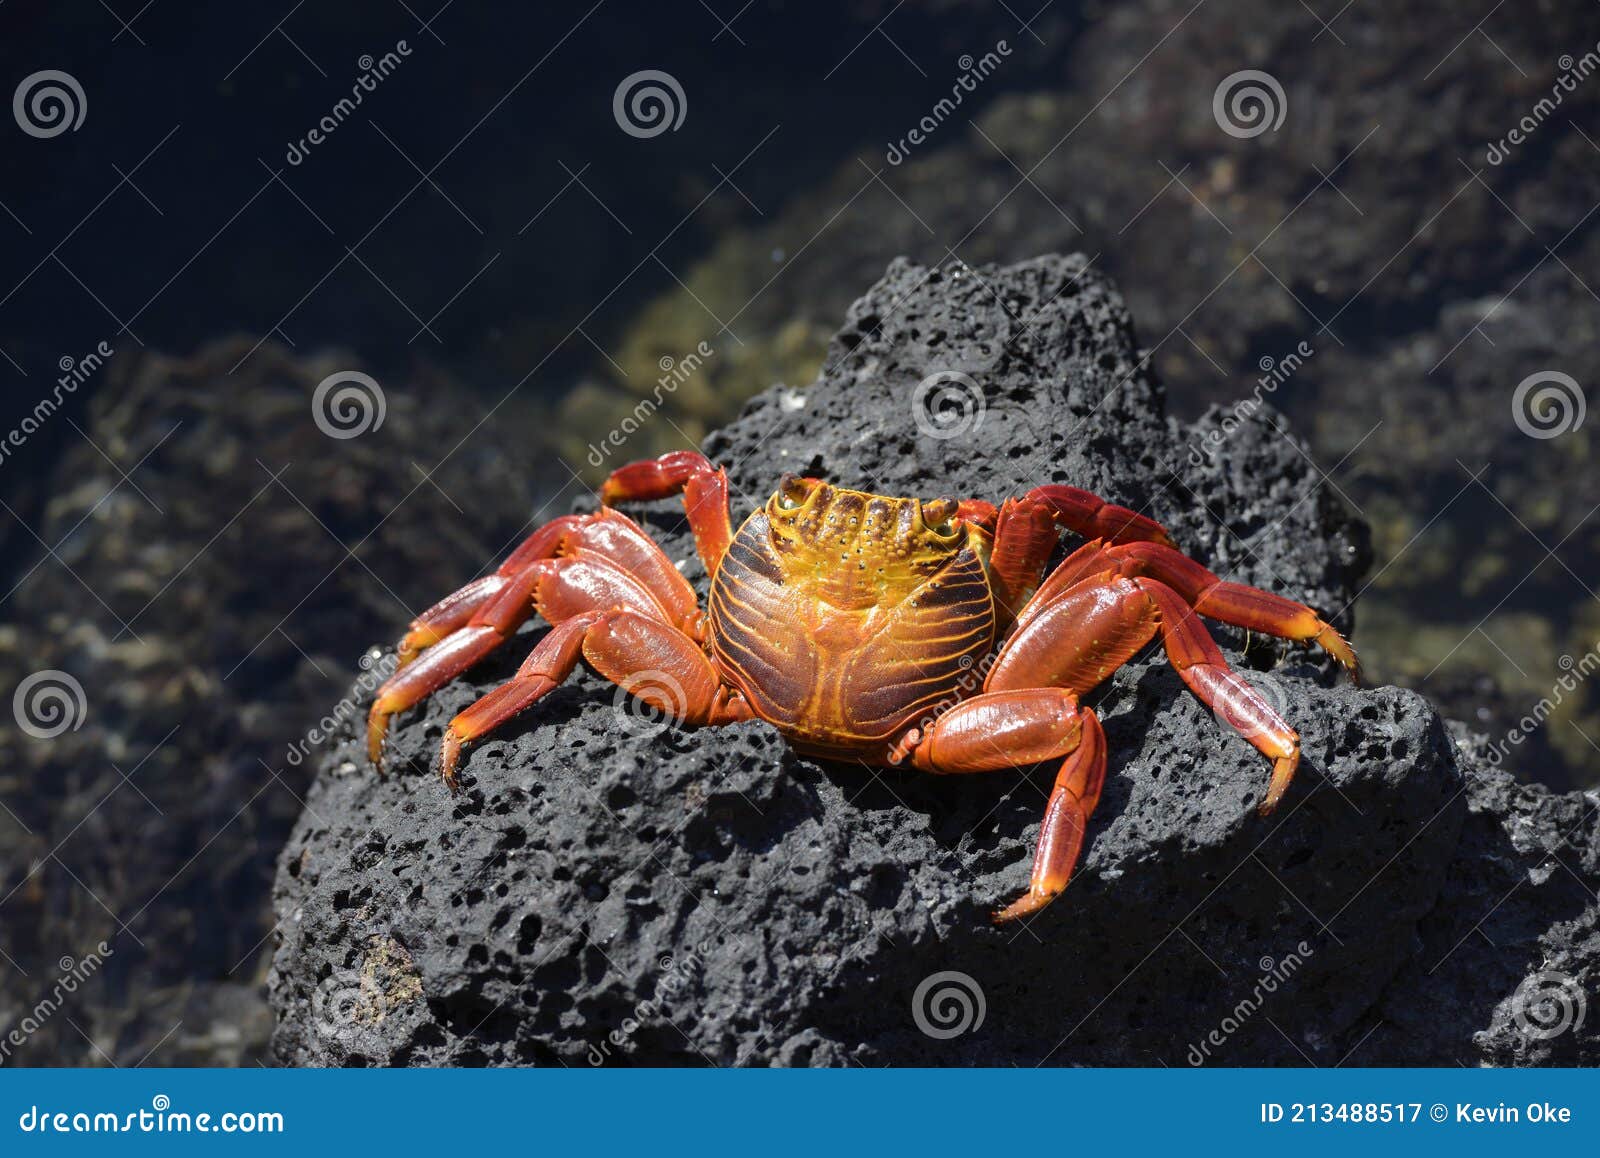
204 612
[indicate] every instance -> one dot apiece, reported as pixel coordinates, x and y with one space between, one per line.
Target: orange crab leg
980 512
1234 603
1014 728
1091 516
1086 632
456 610
608 533
1027 529
705 496
1201 665
656 662
560 588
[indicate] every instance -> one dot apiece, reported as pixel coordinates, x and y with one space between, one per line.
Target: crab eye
792 492
940 516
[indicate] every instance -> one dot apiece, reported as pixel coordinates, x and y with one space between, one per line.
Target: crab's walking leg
1007 729
583 580
1066 643
457 609
705 496
654 661
1081 635
1027 529
1201 665
1234 603
608 533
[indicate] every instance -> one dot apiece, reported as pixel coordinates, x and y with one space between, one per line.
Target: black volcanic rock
606 893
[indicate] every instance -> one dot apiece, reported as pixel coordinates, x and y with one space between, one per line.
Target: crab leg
654 661
705 496
1008 729
608 533
456 610
1086 632
560 588
1026 531
1067 643
1234 603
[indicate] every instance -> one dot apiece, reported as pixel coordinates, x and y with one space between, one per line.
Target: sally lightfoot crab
865 627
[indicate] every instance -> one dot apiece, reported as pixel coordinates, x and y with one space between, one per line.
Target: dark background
483 238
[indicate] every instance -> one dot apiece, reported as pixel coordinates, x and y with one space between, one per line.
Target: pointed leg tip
450 759
1004 916
377 729
1283 769
415 642
1024 906
1339 647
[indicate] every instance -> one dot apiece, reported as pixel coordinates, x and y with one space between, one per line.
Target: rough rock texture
611 893
1512 948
